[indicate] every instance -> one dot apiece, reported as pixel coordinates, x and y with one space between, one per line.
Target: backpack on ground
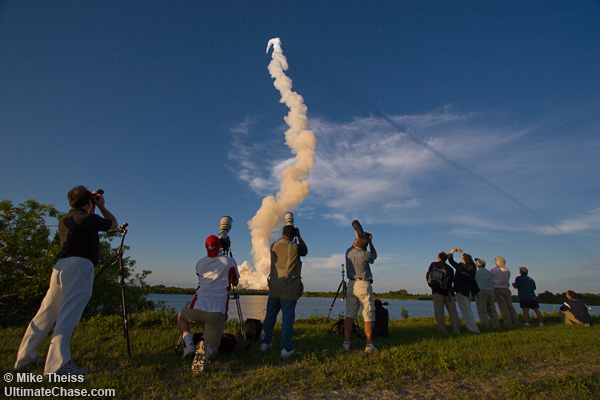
228 342
253 329
382 317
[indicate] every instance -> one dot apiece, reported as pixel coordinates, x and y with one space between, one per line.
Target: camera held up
224 228
99 193
358 227
289 220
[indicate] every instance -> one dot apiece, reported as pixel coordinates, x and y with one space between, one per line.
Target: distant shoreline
399 295
544 297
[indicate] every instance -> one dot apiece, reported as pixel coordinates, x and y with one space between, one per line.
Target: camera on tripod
224 228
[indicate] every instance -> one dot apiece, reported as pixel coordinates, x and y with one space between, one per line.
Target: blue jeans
288 311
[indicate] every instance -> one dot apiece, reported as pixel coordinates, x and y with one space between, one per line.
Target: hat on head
523 270
480 262
213 245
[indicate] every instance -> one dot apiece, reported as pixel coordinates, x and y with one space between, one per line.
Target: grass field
416 362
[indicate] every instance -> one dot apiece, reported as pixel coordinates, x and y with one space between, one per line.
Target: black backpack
382 317
253 329
228 342
438 278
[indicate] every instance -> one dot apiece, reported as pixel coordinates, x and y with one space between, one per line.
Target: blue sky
440 124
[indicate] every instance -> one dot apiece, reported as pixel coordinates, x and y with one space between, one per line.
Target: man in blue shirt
527 297
360 291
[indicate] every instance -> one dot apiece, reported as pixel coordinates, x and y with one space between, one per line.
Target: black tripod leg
124 306
176 345
342 284
125 319
241 319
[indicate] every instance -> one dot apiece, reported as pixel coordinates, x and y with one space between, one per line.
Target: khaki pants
69 292
569 319
464 304
439 302
504 299
486 308
214 324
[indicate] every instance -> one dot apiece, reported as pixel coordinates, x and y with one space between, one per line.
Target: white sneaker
542 324
71 369
346 346
201 358
188 350
371 349
265 347
286 354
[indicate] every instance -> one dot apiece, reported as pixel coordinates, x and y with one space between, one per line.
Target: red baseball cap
213 245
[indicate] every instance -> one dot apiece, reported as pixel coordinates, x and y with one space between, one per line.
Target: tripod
118 257
226 250
340 286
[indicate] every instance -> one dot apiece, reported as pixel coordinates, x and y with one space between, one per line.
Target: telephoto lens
357 227
225 227
289 218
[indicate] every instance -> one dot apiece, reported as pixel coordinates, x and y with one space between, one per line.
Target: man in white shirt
216 274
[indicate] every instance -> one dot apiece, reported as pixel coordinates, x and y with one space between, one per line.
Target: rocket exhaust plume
294 186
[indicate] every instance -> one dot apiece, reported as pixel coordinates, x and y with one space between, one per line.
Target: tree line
545 297
29 246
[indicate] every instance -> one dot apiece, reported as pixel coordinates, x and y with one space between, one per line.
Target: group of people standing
469 278
460 281
218 272
73 275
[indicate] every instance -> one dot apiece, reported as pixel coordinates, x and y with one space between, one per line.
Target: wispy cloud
581 223
464 169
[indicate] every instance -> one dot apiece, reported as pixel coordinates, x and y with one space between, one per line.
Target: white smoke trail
294 186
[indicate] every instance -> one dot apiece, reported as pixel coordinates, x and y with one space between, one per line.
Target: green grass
553 362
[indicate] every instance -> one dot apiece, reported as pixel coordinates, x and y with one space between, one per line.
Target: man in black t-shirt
70 284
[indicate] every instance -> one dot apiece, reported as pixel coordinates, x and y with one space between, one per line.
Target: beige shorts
214 323
360 293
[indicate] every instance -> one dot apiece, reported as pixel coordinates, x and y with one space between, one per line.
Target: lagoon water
256 306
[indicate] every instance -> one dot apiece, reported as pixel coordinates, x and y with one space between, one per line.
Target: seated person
574 311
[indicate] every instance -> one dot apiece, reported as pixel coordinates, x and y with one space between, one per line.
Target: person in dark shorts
527 297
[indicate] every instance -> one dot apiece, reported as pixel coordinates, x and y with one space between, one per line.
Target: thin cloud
371 169
581 223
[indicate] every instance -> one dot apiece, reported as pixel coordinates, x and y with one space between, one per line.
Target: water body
256 306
